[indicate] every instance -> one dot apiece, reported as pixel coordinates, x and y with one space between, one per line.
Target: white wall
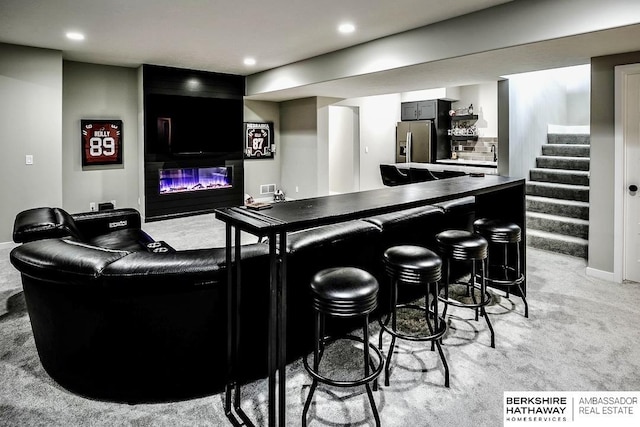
484 98
30 123
341 150
537 100
258 172
99 92
448 93
378 118
299 148
602 169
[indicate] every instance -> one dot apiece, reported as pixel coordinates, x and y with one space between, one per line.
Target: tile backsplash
476 150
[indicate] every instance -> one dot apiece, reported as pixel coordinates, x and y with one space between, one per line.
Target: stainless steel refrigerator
413 141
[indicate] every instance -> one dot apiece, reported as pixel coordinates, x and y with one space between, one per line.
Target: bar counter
496 197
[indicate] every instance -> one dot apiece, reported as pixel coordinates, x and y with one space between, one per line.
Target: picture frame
101 142
258 140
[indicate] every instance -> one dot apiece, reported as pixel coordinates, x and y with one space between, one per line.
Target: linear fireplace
182 180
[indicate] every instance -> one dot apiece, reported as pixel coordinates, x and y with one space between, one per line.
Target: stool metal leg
365 335
394 300
524 299
472 288
446 286
428 308
505 266
433 289
318 340
483 290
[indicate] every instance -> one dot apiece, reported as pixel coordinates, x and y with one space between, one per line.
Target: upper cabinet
418 110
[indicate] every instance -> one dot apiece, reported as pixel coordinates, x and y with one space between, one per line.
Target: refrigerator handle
408 156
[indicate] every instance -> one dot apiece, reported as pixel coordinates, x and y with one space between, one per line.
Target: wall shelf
464 138
469 117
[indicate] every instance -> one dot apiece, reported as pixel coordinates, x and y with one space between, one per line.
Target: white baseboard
7 245
600 274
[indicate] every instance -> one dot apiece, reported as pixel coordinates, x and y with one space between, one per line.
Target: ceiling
216 35
483 67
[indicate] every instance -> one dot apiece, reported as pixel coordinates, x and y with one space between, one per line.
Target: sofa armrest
93 224
43 223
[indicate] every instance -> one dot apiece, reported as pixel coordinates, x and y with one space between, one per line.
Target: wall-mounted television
185 125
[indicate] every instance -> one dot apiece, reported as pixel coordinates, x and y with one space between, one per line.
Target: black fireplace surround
114 320
192 120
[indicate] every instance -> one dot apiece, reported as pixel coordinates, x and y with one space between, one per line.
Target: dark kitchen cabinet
418 110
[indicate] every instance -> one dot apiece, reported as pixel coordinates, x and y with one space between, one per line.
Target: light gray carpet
581 335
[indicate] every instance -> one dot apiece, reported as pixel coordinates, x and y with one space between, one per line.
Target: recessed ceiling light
193 84
249 61
72 35
346 28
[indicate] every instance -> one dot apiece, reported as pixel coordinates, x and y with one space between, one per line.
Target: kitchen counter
477 167
463 162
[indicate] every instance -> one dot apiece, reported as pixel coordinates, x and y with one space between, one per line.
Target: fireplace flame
194 179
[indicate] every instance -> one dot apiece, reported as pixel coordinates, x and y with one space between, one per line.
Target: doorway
627 175
344 149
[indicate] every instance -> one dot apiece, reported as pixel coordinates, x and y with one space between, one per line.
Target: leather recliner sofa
113 320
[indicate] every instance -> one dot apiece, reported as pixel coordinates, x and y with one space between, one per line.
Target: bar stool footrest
353 383
497 270
450 301
436 335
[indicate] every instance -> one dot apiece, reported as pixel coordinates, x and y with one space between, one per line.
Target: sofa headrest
62 259
43 223
330 235
461 205
405 217
104 222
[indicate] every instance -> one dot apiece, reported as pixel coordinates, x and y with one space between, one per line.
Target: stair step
560 176
567 208
559 243
570 150
558 224
563 162
568 138
558 191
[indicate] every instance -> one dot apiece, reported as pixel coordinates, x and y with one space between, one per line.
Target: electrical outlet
92 206
28 160
296 188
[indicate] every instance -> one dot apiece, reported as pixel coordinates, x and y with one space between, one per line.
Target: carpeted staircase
558 196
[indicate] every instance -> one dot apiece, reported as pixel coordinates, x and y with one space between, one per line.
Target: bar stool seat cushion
413 264
461 245
498 231
344 291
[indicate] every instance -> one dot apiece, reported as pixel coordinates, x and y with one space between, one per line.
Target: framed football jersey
101 142
258 141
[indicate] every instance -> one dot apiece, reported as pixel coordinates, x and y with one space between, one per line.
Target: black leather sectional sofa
118 316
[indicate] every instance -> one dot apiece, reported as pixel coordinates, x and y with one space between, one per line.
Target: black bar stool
507 274
343 292
414 265
461 245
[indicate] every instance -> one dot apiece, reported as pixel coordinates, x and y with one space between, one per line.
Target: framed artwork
101 142
258 141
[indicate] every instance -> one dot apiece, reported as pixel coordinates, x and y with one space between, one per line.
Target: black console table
496 196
